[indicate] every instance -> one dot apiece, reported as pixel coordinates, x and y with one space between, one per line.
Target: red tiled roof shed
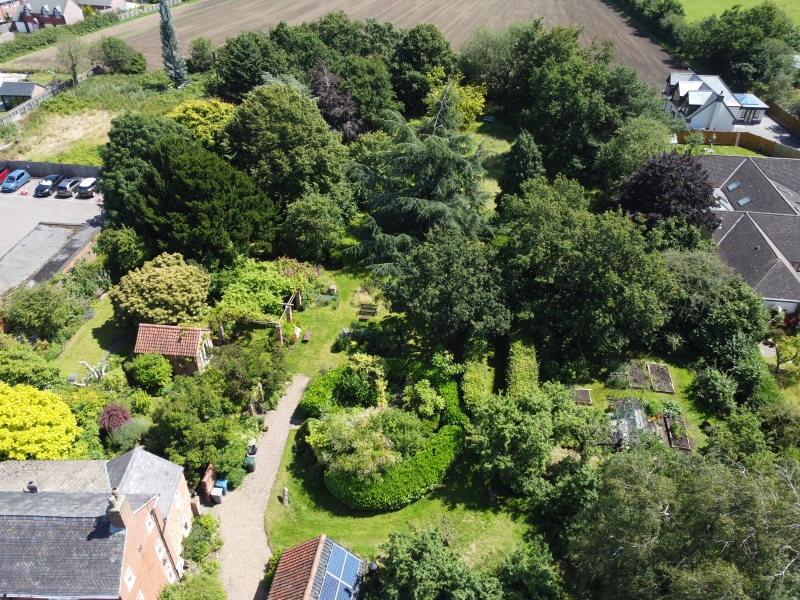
296 570
168 340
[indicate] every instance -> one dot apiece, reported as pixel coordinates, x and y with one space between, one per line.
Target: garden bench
363 317
307 337
369 309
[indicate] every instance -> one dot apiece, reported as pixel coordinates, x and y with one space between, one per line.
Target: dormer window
56 12
44 12
27 11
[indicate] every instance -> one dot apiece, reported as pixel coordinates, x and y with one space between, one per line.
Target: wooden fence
784 118
16 113
147 9
746 140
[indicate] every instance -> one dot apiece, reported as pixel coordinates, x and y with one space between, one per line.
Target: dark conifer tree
522 163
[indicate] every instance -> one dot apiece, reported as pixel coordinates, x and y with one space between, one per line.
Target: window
177 498
148 522
44 12
129 579
745 200
169 573
733 186
186 525
140 596
56 12
160 550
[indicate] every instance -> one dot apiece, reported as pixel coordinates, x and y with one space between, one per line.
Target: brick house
92 529
188 349
34 15
319 569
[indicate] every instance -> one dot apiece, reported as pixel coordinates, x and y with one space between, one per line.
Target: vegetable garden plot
638 378
662 380
582 396
676 432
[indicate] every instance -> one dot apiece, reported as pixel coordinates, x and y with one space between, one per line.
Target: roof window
745 200
733 186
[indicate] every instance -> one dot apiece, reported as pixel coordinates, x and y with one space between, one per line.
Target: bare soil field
219 19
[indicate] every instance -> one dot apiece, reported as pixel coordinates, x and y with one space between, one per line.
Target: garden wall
40 169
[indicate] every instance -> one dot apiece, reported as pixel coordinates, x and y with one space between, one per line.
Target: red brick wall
142 558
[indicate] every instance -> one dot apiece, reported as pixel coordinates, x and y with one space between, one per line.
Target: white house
707 103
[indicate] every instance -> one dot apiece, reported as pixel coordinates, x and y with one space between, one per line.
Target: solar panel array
340 576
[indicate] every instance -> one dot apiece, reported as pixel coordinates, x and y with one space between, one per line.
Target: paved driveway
772 130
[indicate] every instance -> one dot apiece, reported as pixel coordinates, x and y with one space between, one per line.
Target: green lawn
726 150
496 139
681 378
325 323
699 9
483 534
91 341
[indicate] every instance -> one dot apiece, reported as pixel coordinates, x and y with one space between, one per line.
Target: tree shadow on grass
110 332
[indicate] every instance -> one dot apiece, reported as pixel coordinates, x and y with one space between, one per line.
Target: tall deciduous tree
337 107
73 56
164 291
201 55
34 425
279 137
581 284
670 184
637 140
312 229
419 566
174 62
423 48
448 287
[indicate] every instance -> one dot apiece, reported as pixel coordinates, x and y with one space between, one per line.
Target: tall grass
147 93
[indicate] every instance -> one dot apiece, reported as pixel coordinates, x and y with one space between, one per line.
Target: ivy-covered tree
336 106
670 184
279 137
523 162
174 62
164 291
34 425
312 229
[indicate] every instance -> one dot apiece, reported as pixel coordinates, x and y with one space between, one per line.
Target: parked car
67 188
15 180
48 185
88 187
4 173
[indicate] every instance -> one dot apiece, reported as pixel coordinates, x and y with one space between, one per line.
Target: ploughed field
219 19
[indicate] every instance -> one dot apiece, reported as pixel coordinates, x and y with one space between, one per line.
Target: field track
219 19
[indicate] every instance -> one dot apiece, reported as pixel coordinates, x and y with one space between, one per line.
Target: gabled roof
140 472
783 171
137 473
18 88
755 185
36 7
783 231
319 569
58 545
747 252
168 340
719 167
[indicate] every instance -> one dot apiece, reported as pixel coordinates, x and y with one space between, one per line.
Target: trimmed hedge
404 484
318 397
453 414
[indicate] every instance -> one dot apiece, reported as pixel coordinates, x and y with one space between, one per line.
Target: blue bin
222 483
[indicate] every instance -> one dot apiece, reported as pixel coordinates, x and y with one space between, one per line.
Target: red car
4 173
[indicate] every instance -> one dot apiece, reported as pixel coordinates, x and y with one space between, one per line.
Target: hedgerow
402 485
452 408
318 396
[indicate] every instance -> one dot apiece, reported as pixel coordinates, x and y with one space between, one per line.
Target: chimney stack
119 510
32 487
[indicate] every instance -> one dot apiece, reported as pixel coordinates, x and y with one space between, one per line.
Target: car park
88 187
15 180
68 187
48 185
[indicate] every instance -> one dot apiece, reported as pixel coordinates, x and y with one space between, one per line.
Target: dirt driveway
219 19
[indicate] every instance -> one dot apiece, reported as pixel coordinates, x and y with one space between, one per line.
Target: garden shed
188 349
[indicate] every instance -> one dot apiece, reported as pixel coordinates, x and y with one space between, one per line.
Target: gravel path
246 552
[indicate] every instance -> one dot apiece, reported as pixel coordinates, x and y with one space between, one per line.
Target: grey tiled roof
78 558
779 284
17 88
727 221
55 475
747 252
718 167
784 171
53 504
36 7
755 185
783 231
140 472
